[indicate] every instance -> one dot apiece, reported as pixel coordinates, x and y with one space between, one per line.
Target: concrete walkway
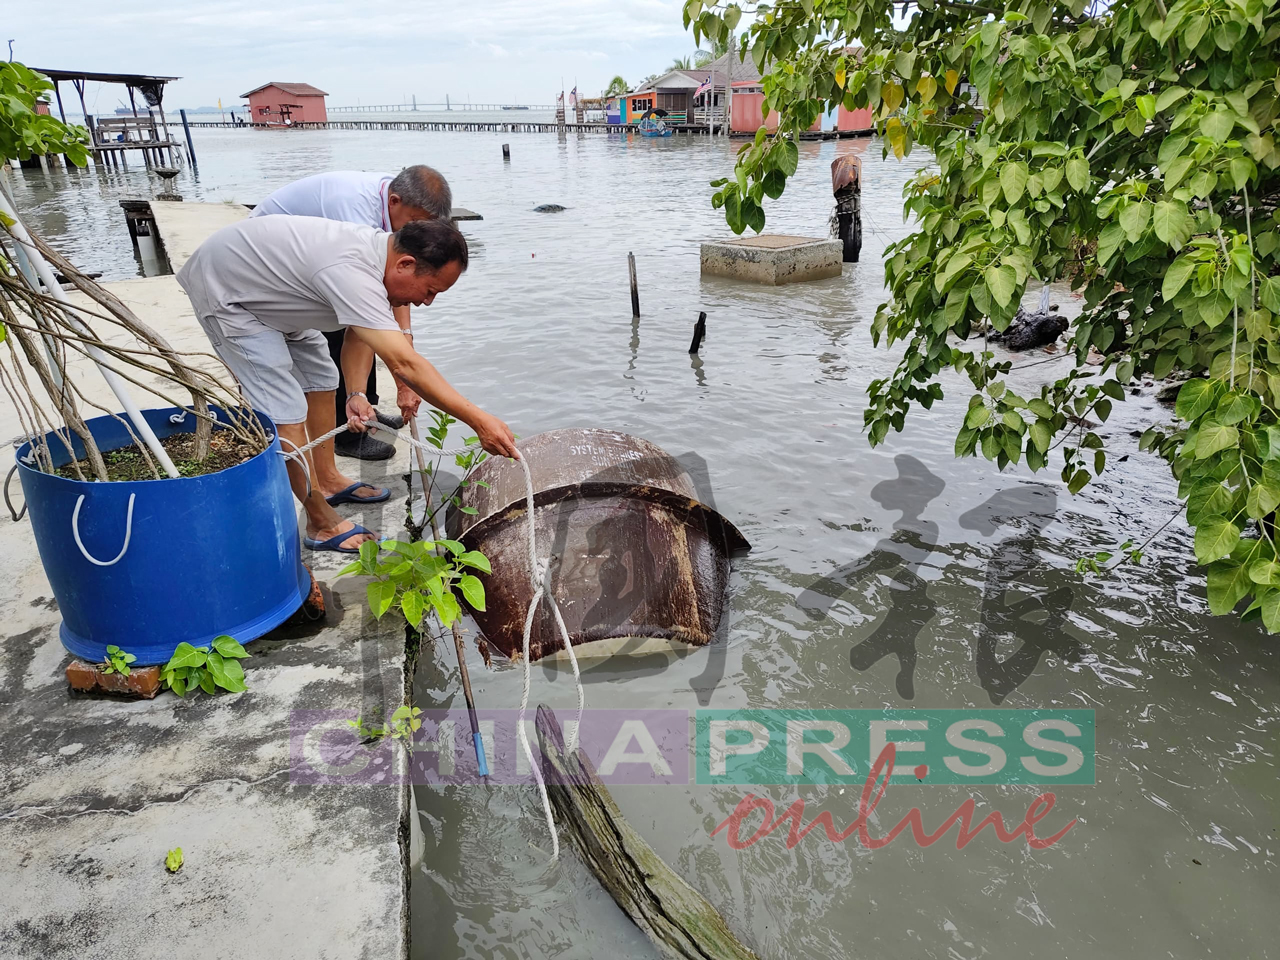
183 226
96 791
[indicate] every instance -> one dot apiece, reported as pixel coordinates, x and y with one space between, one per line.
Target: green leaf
1078 173
788 157
446 607
1001 281
1172 223
381 595
1215 540
1176 277
1271 611
229 647
453 546
1264 497
1265 573
413 605
1040 408
1194 398
369 552
1134 219
1234 407
473 590
476 559
1040 435
977 416
1214 437
1227 585
185 655
1218 124
1013 180
1208 498
234 677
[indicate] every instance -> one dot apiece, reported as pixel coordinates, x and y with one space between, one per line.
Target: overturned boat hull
638 563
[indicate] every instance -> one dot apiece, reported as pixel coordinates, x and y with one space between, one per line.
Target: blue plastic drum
205 555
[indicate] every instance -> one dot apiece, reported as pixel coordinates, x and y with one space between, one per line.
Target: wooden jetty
114 137
515 126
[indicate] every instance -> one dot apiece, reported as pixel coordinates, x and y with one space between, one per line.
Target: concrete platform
773 259
96 791
183 225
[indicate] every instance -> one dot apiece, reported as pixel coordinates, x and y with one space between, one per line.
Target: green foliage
191 667
617 87
1131 149
117 661
415 578
405 722
25 133
173 860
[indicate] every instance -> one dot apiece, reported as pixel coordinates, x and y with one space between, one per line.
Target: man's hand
407 401
495 436
359 410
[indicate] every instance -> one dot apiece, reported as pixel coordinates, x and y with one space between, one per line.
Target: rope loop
128 533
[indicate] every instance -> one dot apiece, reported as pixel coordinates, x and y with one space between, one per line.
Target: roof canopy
293 89
128 79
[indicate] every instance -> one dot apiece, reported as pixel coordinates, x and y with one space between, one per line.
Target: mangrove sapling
414 579
405 722
117 661
173 860
191 667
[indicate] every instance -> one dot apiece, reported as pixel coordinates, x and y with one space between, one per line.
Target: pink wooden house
286 103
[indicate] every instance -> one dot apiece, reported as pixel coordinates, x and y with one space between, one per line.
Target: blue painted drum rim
193 569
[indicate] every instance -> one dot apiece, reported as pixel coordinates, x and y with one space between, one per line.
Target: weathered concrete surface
183 225
772 258
97 791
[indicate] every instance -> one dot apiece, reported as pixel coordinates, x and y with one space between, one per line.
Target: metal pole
635 289
114 381
191 150
728 92
458 644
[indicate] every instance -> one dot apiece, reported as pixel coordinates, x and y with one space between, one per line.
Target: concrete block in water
772 258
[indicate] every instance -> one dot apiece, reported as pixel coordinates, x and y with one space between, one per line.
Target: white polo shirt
344 195
290 274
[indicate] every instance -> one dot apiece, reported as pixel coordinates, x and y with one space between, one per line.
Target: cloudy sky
488 50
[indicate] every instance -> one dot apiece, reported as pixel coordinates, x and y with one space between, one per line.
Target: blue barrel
206 555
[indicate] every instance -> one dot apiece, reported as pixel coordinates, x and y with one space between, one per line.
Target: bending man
385 203
264 289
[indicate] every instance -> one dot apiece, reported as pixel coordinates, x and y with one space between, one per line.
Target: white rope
128 532
539 575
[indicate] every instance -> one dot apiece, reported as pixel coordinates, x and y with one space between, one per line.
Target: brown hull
634 554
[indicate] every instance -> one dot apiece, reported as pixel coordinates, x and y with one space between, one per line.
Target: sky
491 51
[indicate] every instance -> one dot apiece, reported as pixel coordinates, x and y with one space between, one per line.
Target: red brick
141 682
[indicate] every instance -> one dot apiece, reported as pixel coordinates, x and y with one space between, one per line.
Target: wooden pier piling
635 289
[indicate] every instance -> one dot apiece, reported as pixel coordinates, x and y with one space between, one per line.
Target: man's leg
326 476
323 522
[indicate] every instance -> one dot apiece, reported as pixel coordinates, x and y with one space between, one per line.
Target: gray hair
424 188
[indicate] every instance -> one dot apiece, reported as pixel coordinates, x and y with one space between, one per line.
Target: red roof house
286 103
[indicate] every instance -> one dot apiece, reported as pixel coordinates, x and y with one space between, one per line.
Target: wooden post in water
635 289
191 150
506 152
699 331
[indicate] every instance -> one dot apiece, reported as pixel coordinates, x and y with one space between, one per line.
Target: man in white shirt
263 290
385 203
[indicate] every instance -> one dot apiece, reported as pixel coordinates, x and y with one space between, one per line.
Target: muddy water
1174 853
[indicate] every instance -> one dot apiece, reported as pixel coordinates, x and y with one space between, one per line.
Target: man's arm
406 399
411 368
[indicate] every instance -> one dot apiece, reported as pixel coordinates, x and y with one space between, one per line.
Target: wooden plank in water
678 919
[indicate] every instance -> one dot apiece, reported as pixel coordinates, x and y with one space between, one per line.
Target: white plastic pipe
114 381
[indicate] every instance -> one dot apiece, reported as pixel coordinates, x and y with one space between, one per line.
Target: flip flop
335 543
348 495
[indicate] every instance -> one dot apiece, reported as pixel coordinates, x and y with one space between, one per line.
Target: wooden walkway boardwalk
512 126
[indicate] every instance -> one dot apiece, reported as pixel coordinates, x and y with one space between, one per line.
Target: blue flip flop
335 543
348 495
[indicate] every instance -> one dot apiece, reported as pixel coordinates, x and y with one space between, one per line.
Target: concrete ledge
773 259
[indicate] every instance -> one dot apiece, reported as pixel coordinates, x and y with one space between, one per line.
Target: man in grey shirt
387 203
264 290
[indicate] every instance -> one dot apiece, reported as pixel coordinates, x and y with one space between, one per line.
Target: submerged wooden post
506 151
635 289
699 331
846 184
678 919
